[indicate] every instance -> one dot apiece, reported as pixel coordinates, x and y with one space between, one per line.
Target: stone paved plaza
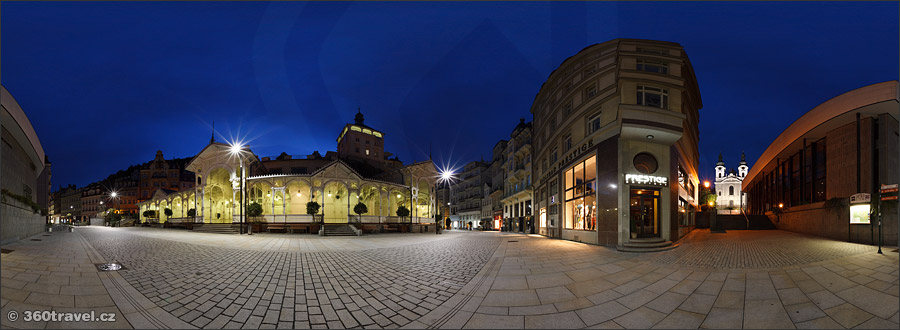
181 279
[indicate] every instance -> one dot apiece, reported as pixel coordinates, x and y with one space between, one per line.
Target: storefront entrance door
644 205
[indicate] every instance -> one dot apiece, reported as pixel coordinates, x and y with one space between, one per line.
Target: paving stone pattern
755 249
217 287
179 279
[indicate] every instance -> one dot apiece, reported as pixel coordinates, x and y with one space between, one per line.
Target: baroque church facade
729 198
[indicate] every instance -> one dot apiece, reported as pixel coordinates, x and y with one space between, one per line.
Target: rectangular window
590 91
589 71
653 97
653 66
567 142
579 184
593 123
652 51
553 155
567 109
367 150
796 183
807 173
819 176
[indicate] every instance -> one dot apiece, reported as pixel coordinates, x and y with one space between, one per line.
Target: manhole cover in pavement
5 251
109 267
35 239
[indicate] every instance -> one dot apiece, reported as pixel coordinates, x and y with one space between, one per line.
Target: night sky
107 84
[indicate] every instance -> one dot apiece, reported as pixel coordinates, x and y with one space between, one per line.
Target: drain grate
35 239
45 235
5 251
512 241
110 267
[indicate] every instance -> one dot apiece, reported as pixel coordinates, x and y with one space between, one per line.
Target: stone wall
833 222
18 221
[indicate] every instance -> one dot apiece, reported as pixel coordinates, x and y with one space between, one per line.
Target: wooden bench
276 226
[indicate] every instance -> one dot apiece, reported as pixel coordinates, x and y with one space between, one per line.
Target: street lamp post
236 150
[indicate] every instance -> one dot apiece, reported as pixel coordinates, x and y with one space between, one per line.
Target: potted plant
254 210
168 213
312 208
360 209
402 212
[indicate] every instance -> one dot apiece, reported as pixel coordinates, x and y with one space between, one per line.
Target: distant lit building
466 195
729 198
517 188
847 145
164 174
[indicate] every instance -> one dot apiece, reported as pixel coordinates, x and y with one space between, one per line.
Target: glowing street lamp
236 150
706 184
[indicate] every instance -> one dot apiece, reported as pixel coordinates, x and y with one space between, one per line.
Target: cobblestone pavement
741 279
215 287
286 242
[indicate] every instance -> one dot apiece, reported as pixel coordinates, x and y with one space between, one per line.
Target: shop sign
889 188
646 179
576 153
860 198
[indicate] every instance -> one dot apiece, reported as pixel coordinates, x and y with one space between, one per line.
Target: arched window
731 191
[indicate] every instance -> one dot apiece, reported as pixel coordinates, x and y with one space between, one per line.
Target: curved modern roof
27 131
844 104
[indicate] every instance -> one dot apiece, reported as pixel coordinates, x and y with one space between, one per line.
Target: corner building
615 140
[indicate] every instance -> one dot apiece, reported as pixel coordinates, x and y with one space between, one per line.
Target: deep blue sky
106 84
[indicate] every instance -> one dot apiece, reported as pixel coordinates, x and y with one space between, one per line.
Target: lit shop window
580 181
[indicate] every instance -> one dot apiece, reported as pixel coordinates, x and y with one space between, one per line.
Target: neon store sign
646 180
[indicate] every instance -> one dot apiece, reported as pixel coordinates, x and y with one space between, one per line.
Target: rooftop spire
743 159
212 134
359 119
720 162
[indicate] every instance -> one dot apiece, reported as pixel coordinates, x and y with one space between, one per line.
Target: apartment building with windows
614 126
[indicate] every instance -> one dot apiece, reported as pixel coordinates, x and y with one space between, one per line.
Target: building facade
845 146
336 185
614 127
25 172
467 196
164 174
71 204
729 197
517 186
